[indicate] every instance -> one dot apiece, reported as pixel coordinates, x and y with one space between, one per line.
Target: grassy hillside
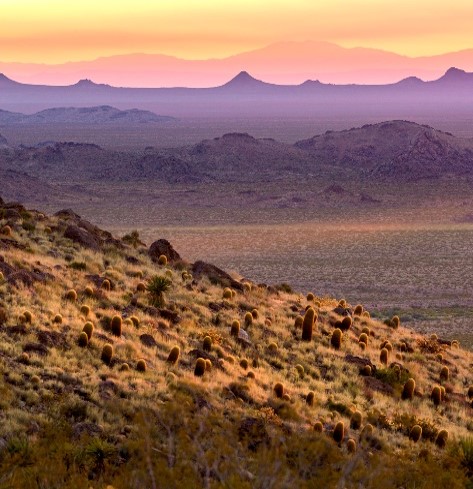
124 368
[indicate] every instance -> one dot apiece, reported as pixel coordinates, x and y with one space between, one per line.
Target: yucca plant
156 288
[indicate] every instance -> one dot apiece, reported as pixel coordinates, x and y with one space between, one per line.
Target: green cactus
336 339
116 325
107 353
279 390
235 328
310 398
200 367
163 260
300 370
366 371
415 433
339 432
273 347
409 389
255 313
57 319
174 354
363 338
88 329
442 438
310 297
395 322
318 427
124 367
135 321
208 365
244 364
383 357
89 291
83 339
298 322
346 323
362 345
71 295
444 374
227 293
355 420
85 310
141 365
367 431
6 230
207 344
248 319
106 285
351 445
141 287
28 316
470 392
308 324
436 395
358 311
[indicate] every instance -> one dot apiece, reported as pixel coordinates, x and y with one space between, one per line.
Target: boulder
216 275
82 237
163 247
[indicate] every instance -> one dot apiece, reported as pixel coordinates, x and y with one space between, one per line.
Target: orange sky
54 31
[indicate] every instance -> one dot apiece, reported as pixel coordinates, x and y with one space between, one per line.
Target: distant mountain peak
4 80
456 75
244 80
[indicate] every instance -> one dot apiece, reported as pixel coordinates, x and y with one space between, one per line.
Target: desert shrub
78 265
308 324
156 288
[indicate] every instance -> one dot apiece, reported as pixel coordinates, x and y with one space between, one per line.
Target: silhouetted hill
83 115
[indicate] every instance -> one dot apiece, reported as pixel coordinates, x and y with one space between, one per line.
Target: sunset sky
55 31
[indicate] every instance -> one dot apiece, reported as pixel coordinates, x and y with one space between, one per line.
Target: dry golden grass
47 380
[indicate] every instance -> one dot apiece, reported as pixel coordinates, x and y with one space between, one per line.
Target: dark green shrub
156 288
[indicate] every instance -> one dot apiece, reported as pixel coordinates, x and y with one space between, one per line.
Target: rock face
163 247
85 233
215 275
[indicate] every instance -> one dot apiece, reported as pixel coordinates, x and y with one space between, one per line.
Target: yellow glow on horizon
47 31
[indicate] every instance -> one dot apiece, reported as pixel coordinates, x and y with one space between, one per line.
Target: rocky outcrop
215 275
163 247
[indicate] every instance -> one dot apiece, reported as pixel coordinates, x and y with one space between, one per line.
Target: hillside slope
127 366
